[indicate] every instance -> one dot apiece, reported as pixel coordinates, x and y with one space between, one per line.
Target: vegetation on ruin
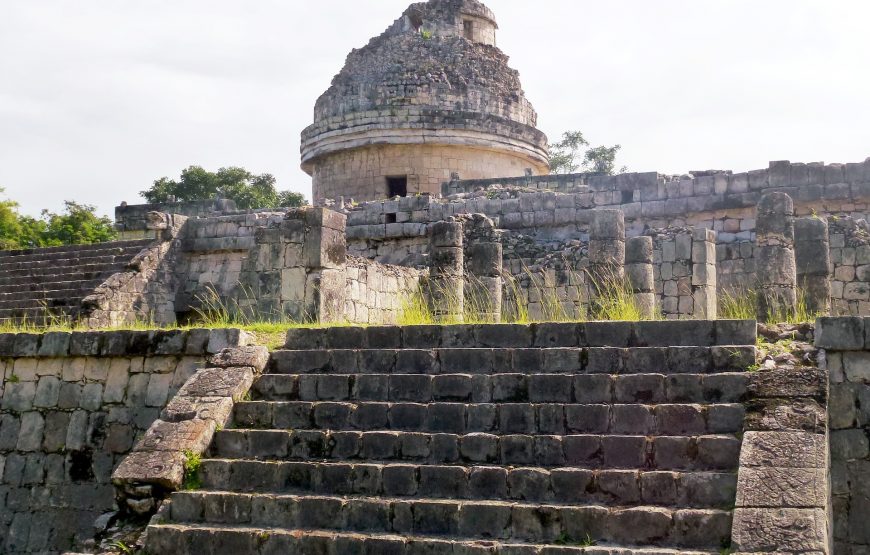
248 190
573 154
77 224
742 305
192 462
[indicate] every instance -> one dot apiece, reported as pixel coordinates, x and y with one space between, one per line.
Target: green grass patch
192 463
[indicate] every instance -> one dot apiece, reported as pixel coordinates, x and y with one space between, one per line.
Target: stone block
219 382
250 356
783 450
840 333
194 435
165 469
30 434
780 530
54 344
782 487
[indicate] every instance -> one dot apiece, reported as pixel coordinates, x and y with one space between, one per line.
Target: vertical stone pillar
483 284
325 256
446 286
606 252
813 263
297 269
704 290
639 270
777 277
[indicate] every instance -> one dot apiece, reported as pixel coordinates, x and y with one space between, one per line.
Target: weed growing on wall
192 462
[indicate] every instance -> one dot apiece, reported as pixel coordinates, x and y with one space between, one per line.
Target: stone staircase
478 439
38 286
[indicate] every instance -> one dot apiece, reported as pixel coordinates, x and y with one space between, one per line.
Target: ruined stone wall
131 220
847 360
376 293
71 406
214 250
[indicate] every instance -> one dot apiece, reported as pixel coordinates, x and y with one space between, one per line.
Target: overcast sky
100 97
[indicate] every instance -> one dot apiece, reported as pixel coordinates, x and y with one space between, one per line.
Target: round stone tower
429 98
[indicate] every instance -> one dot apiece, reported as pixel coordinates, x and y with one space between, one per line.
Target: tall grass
743 305
611 298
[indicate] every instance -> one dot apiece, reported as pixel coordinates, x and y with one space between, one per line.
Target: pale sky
100 97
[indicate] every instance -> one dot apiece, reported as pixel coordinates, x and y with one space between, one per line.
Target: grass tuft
192 463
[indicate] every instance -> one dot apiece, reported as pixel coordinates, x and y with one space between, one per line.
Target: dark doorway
468 29
397 186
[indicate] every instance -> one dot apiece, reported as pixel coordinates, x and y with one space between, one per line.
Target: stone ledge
121 343
540 335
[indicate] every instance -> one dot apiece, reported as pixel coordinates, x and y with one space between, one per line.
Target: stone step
29 282
103 259
498 387
698 490
183 539
583 334
556 360
501 418
36 316
35 291
51 300
51 272
702 452
94 247
468 519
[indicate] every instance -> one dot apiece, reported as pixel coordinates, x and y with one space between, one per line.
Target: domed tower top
429 98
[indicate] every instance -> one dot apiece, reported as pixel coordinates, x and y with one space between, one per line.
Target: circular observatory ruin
430 98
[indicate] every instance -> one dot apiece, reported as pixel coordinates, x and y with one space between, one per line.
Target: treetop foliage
249 191
571 155
76 225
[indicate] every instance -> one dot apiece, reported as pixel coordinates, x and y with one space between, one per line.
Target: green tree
564 156
10 225
76 225
238 184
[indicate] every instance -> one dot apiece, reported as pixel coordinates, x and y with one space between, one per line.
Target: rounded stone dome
429 98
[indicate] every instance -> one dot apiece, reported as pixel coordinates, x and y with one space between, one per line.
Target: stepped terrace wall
847 354
71 406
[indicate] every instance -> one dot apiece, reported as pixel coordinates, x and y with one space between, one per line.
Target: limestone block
783 450
180 408
781 487
220 339
194 435
639 250
856 365
252 356
158 390
780 530
19 396
840 333
47 391
54 344
165 469
30 434
446 234
219 382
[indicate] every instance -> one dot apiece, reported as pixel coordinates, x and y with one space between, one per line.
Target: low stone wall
71 406
847 353
376 293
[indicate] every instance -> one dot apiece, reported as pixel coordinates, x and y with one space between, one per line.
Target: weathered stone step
182 539
36 291
536 388
703 452
500 418
584 334
555 360
51 272
105 260
53 281
50 300
51 251
36 316
469 519
560 485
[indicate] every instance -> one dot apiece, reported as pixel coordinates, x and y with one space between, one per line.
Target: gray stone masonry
515 439
72 405
639 269
777 278
812 252
297 268
847 356
606 251
446 285
483 265
704 290
185 428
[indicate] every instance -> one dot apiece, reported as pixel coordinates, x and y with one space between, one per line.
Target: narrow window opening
397 186
468 29
627 196
390 218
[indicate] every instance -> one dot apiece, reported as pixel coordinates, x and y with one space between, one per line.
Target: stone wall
376 293
131 220
71 406
847 356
